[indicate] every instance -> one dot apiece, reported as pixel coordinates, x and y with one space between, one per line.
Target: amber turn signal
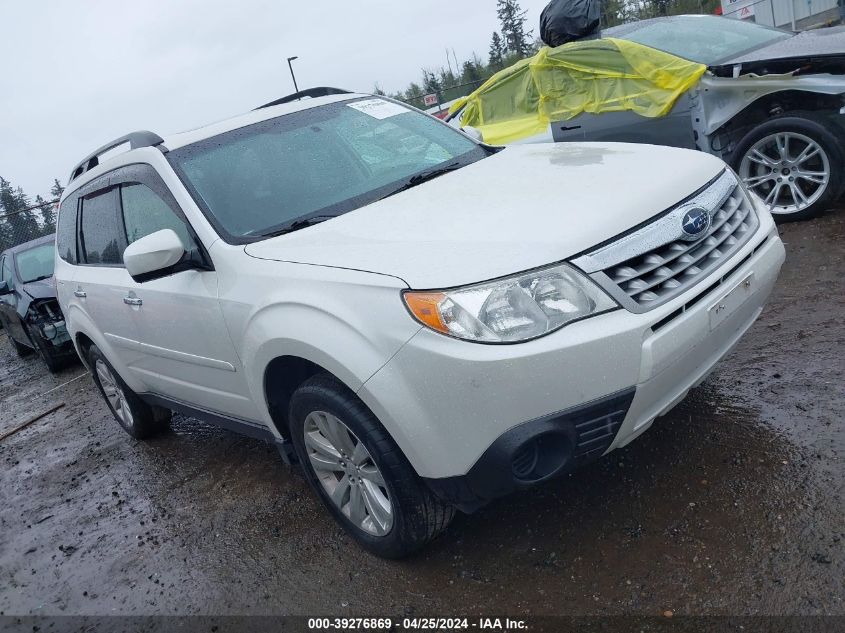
423 305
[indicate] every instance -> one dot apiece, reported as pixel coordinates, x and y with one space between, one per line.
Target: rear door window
102 238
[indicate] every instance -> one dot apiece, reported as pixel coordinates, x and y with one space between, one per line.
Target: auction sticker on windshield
378 108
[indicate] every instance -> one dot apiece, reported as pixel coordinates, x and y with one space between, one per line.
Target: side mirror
153 255
4 288
473 133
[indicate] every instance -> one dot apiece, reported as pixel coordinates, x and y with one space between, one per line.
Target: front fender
348 322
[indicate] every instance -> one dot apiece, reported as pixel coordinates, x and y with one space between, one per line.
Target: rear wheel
359 473
137 418
794 164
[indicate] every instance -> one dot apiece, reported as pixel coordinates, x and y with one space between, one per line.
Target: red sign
430 100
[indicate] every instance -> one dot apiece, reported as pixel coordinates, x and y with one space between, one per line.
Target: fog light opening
541 457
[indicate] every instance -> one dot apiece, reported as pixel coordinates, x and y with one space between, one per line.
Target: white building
787 14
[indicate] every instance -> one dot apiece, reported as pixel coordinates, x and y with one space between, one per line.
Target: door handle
80 293
132 301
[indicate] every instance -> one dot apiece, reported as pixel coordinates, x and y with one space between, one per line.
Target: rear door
101 282
187 354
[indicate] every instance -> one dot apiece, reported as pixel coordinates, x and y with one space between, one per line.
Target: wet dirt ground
731 504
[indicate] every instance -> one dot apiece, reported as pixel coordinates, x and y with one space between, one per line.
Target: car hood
523 207
813 43
41 289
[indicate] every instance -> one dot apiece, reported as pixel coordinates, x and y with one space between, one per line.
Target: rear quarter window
66 229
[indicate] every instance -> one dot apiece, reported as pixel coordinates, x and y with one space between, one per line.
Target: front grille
642 276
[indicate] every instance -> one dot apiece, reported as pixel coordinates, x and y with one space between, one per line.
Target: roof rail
142 138
320 91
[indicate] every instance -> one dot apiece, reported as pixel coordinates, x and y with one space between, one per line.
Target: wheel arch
788 102
282 376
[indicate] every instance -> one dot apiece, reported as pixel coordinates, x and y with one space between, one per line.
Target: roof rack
321 91
142 138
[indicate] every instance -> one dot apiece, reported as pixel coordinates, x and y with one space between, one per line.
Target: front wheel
136 417
359 473
794 163
44 351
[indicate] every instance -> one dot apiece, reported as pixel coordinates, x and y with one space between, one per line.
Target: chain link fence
27 224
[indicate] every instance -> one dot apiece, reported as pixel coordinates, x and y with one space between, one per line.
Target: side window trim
142 174
147 175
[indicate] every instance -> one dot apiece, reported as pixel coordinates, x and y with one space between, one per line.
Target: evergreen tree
470 72
413 92
496 51
21 225
512 18
447 78
48 215
430 82
378 91
57 190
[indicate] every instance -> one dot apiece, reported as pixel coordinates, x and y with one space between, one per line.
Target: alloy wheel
348 473
788 170
114 393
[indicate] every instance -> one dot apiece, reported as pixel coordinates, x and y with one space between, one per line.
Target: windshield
705 39
318 162
36 262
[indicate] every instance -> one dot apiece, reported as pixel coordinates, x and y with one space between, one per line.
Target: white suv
424 322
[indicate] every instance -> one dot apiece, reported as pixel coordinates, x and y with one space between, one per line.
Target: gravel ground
730 504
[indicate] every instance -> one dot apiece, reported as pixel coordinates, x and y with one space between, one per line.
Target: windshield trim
360 201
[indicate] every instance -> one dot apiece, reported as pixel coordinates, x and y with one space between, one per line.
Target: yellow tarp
605 75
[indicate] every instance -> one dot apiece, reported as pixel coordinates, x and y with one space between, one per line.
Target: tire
416 516
764 162
44 353
136 417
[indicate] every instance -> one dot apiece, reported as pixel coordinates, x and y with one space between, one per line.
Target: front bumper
449 403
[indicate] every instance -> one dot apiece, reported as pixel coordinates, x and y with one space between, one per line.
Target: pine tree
48 215
57 190
512 18
496 51
430 82
21 225
470 72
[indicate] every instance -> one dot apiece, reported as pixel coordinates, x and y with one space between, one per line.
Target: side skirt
230 423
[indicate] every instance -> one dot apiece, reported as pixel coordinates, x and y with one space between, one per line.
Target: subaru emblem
695 223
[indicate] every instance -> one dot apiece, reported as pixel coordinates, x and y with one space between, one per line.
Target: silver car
770 104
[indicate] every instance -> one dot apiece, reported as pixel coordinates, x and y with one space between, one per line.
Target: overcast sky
78 74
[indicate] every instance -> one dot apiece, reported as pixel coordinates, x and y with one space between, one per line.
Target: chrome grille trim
655 263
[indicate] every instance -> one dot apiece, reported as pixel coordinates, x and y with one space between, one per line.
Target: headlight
512 309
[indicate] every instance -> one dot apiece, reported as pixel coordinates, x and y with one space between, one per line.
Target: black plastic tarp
564 21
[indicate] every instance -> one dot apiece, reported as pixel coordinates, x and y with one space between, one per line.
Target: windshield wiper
41 278
297 224
424 176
